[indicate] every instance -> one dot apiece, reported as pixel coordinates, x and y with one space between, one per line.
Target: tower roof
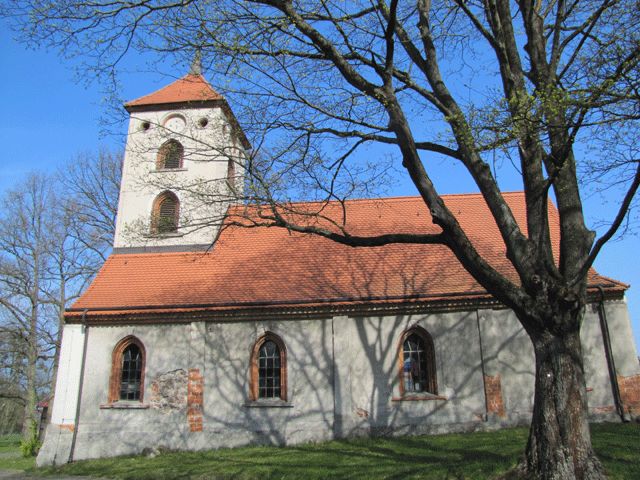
188 89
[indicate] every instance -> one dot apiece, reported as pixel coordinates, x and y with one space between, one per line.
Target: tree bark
559 445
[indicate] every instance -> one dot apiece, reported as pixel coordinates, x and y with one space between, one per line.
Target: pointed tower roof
192 88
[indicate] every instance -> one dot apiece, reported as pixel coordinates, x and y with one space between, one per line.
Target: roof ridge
165 254
194 78
394 199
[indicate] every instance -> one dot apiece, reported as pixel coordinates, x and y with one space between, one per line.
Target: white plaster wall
230 420
66 394
367 375
508 352
111 432
624 348
342 379
58 439
200 185
599 392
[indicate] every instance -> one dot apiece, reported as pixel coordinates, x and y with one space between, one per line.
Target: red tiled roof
190 88
272 266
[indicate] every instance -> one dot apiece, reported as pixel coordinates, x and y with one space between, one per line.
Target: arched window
127 371
166 211
417 362
269 368
170 155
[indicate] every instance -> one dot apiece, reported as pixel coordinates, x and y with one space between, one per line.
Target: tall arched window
165 214
417 362
269 368
127 370
170 155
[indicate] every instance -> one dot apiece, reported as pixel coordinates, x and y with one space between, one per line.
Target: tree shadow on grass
470 456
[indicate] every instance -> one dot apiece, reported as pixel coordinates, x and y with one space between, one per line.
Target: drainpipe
486 404
85 330
608 351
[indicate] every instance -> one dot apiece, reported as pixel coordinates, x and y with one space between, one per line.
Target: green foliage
30 445
10 456
482 455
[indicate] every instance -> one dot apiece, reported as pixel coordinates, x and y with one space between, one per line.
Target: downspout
76 422
608 351
484 386
333 376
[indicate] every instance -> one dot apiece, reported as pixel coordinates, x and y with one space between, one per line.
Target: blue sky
49 117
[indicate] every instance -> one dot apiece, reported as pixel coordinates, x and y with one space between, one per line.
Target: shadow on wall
343 372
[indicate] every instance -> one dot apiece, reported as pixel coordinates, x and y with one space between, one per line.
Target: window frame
254 387
161 157
155 213
430 354
116 369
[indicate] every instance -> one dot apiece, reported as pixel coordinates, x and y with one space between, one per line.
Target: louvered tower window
165 213
170 155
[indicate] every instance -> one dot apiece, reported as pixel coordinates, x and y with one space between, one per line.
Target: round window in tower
203 122
145 126
174 123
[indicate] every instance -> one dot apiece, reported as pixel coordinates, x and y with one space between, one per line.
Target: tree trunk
31 394
32 354
559 445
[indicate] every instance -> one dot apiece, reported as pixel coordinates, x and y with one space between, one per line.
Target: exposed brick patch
168 391
630 393
493 393
603 409
361 412
194 399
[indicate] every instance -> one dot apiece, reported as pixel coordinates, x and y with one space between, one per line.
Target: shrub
29 446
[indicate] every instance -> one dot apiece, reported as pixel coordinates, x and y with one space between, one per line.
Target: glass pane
414 367
269 370
131 373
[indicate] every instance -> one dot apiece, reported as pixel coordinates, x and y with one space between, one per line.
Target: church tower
183 166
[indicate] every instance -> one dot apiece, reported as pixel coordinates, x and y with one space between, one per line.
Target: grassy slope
470 456
10 456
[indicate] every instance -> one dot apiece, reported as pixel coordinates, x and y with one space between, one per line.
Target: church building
200 334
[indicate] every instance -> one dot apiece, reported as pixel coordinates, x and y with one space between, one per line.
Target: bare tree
55 233
23 251
91 184
82 235
531 86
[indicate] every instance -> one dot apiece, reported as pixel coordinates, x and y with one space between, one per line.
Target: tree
55 232
24 244
82 234
484 84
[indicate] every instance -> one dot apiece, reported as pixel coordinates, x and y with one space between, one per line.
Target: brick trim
630 393
195 387
432 380
116 367
164 151
493 395
156 228
254 374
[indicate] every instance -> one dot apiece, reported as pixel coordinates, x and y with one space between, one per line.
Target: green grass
10 456
460 456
